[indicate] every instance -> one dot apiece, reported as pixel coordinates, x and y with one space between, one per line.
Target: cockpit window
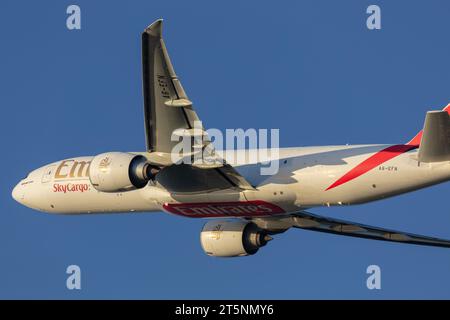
47 176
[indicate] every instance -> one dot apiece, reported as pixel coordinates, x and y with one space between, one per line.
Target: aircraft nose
17 193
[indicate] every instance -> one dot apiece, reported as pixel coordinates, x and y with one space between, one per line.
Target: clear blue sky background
310 68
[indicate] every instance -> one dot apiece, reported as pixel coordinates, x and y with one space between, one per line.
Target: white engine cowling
232 238
119 171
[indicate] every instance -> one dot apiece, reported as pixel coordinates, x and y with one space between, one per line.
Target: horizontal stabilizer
435 142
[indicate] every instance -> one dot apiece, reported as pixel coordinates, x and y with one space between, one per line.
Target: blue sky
310 68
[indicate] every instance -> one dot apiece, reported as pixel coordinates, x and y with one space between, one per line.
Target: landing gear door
48 174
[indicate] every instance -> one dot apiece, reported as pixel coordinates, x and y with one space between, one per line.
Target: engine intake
232 238
120 171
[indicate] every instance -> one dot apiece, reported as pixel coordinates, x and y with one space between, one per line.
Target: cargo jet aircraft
252 207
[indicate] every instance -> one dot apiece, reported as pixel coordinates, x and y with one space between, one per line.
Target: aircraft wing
313 222
166 105
168 113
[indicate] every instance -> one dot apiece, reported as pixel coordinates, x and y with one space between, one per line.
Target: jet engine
232 238
120 171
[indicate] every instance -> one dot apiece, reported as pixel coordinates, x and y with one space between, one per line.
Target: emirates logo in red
224 209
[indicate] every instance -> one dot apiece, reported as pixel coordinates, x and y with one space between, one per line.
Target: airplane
245 207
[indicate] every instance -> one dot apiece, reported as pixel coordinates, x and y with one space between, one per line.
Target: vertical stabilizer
435 141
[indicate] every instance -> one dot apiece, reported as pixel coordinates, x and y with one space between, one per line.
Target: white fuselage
307 177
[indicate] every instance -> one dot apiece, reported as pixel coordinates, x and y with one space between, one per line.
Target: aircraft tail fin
416 140
435 140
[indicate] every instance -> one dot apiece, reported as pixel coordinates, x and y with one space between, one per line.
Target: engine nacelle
119 171
232 238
